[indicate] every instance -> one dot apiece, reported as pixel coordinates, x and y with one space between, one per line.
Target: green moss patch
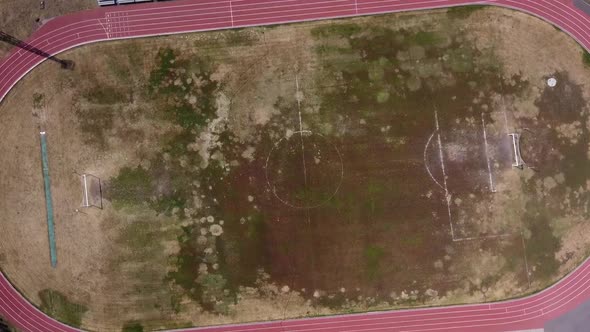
57 305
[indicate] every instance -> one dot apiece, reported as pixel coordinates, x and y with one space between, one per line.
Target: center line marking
442 164
297 94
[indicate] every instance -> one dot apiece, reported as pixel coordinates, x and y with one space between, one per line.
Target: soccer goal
518 162
91 191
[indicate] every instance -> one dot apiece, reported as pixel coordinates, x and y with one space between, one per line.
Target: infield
299 170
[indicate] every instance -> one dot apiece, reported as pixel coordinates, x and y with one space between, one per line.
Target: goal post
91 191
518 162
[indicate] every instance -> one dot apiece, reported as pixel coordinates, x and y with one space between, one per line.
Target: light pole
65 64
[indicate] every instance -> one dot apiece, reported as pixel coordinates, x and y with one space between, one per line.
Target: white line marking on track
103 27
231 13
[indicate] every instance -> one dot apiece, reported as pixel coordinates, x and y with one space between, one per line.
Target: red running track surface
163 18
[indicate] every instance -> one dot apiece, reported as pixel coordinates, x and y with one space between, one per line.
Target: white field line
473 238
485 140
86 202
505 117
426 163
504 111
442 165
298 101
300 128
526 264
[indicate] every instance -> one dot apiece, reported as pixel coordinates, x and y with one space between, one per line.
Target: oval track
181 16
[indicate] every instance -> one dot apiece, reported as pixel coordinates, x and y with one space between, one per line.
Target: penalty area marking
485 140
442 165
448 196
426 163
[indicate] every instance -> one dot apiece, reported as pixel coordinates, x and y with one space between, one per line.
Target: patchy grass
57 305
425 38
132 327
166 60
105 95
131 186
373 256
240 37
95 123
38 100
208 289
463 12
586 57
541 246
336 29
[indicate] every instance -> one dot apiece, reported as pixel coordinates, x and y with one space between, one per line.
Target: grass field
302 170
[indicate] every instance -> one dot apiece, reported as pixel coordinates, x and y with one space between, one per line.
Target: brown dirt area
378 235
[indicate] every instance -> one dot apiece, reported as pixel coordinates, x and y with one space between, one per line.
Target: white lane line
485 140
103 27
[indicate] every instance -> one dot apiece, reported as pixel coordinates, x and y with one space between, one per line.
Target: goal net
518 162
91 191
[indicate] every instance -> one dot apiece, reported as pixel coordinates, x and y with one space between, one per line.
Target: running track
163 18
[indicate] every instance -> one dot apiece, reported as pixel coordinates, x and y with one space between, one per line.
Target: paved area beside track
530 313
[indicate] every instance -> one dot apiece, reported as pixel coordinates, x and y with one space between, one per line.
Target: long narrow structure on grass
48 200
